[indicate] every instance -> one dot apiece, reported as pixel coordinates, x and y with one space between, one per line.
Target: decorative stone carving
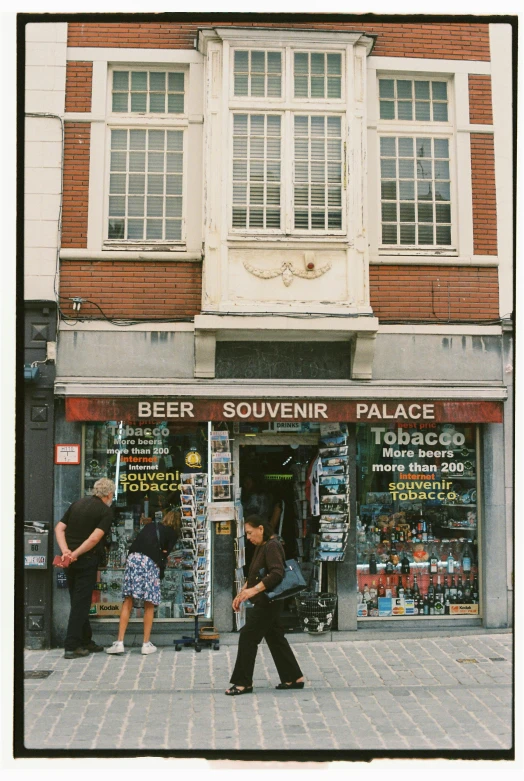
287 270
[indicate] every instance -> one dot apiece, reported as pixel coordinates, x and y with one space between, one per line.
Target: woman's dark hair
255 521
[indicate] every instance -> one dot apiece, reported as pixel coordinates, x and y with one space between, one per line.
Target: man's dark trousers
81 580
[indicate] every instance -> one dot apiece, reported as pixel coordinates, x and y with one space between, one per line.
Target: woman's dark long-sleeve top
269 557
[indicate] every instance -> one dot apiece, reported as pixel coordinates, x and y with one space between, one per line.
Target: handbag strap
158 538
281 523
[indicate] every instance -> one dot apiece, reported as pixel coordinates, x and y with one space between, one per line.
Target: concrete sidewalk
390 693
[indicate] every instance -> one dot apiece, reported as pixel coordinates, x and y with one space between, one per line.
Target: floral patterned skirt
141 579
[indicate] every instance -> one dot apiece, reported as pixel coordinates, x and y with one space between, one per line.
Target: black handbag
163 556
291 584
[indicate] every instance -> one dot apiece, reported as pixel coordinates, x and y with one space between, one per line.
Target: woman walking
144 568
263 619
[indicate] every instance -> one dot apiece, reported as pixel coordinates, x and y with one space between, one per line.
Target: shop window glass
146 461
417 520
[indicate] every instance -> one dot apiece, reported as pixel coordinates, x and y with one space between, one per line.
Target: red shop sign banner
293 410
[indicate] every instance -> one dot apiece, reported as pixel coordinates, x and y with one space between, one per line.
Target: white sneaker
116 648
148 648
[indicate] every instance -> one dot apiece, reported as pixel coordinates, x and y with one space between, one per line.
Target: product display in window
333 492
147 462
417 544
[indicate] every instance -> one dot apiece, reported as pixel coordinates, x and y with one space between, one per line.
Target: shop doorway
273 483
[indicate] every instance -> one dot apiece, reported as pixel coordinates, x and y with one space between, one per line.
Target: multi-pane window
317 75
415 191
143 92
317 180
256 170
145 185
257 74
413 99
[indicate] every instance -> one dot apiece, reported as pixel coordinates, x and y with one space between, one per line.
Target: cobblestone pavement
384 694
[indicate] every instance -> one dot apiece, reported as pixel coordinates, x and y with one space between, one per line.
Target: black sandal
294 685
234 690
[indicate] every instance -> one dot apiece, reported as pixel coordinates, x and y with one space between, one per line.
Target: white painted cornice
282 37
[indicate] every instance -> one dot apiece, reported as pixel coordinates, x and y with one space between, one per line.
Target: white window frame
289 106
413 128
146 121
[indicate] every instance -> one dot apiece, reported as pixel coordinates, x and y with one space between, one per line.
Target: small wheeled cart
205 637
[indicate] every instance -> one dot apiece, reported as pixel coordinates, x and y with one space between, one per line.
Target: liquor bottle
439 598
389 593
467 592
452 592
431 597
393 535
384 536
425 605
415 589
445 588
373 590
407 589
404 564
466 559
475 591
424 532
366 597
446 606
381 590
372 563
400 588
450 564
414 532
460 591
401 536
431 536
433 562
390 567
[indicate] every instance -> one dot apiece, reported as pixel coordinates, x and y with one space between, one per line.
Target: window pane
389 190
139 81
301 220
301 126
274 87
388 169
117 206
256 218
258 86
425 234
422 90
301 85
157 82
155 184
442 191
406 191
155 162
422 111
153 229
423 169
241 85
175 104
135 229
137 139
137 184
137 161
118 161
135 206
425 212
317 63
423 146
256 171
121 80
444 234
239 218
173 230
173 185
443 212
120 101
273 147
318 220
335 196
239 170
116 229
274 62
439 90
389 212
404 89
117 183
334 126
317 87
407 234
175 141
318 196
318 125
388 147
156 140
273 172
139 102
301 195
273 124
301 63
389 234
407 212
240 146
239 193
273 195
272 218
405 147
241 61
441 169
173 207
405 109
257 124
258 62
157 102
334 64
440 112
155 207
119 139
175 82
424 191
387 109
386 88
256 193
256 147
334 89
406 168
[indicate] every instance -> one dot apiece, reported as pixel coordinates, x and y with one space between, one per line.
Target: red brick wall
434 293
153 290
454 41
480 108
77 138
79 83
484 196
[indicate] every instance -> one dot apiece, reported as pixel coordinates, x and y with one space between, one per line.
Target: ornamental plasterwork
287 270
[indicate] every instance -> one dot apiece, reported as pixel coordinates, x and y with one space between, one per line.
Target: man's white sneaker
116 648
148 648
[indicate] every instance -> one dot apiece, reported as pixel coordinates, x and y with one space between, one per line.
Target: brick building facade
277 193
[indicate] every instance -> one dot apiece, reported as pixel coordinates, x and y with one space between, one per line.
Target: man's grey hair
103 487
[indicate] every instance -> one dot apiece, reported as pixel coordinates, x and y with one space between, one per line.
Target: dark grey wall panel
283 360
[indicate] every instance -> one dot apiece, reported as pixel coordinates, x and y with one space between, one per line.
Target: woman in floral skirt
144 567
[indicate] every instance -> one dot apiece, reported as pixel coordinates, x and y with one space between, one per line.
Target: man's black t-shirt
82 518
147 541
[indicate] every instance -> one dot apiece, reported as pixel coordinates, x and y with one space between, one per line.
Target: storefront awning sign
293 410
